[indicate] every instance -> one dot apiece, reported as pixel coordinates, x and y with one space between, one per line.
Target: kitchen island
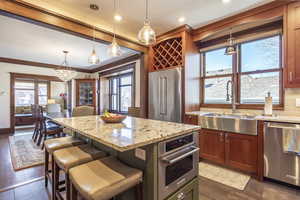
166 152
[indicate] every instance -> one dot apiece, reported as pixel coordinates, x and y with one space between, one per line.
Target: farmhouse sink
237 123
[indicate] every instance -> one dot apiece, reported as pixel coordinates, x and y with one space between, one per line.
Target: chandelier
147 35
65 73
114 49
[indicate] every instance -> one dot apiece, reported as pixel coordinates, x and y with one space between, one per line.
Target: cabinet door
212 145
292 69
86 92
191 119
241 152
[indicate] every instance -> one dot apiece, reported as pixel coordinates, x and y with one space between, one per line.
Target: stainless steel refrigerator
165 95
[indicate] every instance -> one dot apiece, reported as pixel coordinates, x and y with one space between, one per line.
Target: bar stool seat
54 144
103 179
72 156
65 159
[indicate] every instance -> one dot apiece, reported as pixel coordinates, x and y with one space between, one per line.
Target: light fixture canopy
65 73
147 35
94 58
231 48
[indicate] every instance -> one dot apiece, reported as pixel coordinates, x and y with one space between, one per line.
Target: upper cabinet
292 57
86 92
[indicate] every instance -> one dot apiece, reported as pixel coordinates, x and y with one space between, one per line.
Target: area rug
24 152
224 176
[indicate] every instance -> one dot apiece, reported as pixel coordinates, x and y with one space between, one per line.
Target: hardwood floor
208 190
9 177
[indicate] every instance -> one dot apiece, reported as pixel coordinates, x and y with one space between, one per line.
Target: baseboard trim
5 130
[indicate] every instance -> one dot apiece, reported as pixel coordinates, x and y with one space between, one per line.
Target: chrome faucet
232 95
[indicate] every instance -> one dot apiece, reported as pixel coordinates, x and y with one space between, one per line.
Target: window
256 69
24 93
43 93
121 94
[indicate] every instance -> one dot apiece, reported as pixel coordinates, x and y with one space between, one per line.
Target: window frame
119 86
236 78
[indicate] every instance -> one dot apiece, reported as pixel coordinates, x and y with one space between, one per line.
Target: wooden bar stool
52 145
67 158
104 179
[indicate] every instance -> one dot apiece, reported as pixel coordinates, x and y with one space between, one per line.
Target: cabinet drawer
188 192
191 119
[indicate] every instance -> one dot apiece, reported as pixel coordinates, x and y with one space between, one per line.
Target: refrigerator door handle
163 95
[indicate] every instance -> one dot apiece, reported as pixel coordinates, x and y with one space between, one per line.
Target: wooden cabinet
191 119
292 56
241 152
23 119
212 146
189 192
233 150
85 92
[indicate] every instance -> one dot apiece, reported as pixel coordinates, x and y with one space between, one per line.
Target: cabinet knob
180 196
226 138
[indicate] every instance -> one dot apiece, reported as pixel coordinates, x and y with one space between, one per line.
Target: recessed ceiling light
226 1
118 17
181 19
94 7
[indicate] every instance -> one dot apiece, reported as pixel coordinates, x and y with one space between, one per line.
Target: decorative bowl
113 118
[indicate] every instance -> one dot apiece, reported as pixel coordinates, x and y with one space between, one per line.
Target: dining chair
83 111
47 128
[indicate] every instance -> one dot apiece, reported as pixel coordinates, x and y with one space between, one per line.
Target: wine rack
167 54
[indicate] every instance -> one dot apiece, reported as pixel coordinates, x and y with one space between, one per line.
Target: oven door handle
171 161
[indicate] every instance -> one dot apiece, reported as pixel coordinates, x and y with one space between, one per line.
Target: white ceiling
164 13
26 41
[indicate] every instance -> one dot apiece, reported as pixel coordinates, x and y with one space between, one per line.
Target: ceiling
30 42
164 13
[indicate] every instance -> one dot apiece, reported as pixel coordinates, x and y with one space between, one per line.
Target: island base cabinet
241 152
238 151
189 192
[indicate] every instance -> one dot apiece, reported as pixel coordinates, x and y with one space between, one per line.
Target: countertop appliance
177 164
281 157
165 99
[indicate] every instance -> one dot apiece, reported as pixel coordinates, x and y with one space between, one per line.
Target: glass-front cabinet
86 92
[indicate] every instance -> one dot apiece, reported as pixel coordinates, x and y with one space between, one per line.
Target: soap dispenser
268 105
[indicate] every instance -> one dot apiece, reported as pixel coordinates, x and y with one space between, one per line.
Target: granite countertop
131 134
276 118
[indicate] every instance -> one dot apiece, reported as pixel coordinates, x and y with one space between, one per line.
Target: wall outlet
297 102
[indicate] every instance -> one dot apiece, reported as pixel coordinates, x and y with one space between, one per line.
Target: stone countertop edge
279 118
128 147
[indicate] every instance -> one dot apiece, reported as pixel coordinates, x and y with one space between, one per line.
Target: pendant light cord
147 11
114 23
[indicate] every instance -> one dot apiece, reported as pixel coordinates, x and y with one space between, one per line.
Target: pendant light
114 49
231 48
94 59
146 34
65 73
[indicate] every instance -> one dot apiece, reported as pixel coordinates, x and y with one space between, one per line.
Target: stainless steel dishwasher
280 164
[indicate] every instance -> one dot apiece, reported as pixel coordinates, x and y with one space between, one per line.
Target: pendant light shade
114 49
94 58
231 48
65 73
147 35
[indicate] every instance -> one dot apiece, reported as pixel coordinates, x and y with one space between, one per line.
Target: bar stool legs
46 167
